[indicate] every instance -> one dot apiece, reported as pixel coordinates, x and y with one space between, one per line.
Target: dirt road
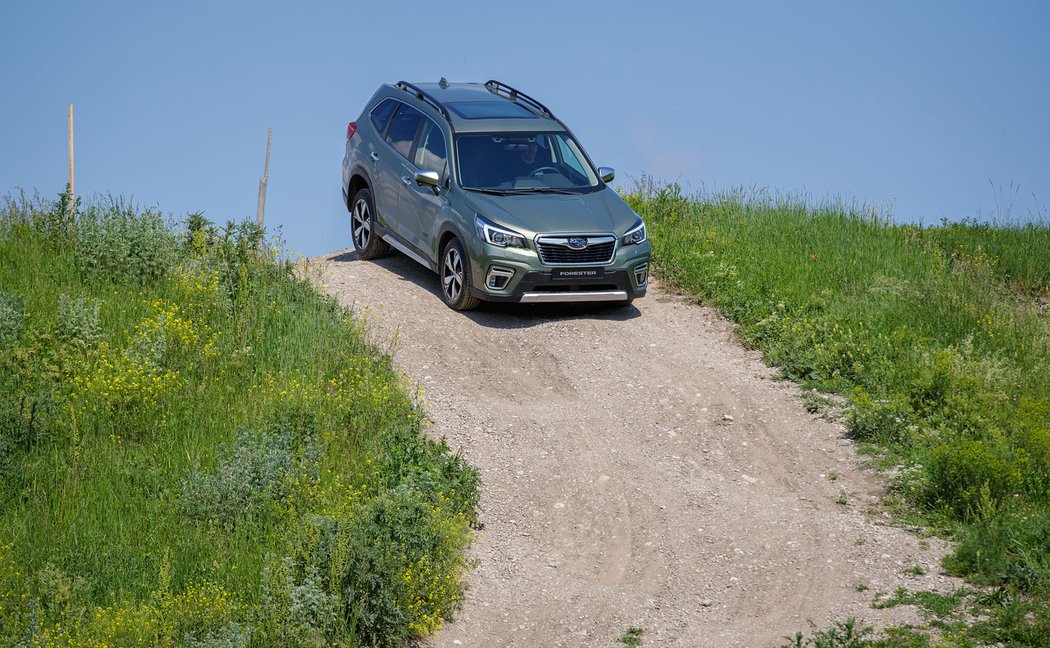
640 468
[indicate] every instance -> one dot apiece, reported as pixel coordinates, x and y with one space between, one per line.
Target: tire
454 271
362 227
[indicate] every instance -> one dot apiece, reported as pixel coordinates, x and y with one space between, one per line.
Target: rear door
394 156
383 194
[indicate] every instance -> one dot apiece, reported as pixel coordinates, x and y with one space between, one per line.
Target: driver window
430 152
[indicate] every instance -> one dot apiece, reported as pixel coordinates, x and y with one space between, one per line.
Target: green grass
196 446
1015 254
632 638
938 338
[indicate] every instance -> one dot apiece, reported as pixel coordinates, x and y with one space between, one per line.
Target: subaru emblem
577 242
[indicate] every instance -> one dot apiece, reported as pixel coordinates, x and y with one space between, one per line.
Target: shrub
401 574
199 235
297 608
843 634
121 382
1008 546
59 593
257 469
202 609
26 419
974 478
878 419
12 315
440 477
238 250
231 635
118 242
78 321
169 338
12 596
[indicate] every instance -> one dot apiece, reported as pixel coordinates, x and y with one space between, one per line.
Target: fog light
498 277
641 274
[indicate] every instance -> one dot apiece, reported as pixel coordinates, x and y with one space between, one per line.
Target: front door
420 205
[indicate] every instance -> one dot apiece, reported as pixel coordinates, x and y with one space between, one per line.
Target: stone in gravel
727 417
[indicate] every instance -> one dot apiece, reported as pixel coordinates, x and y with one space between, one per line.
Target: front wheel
455 277
362 227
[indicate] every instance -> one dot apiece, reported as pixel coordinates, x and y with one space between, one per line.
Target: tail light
351 128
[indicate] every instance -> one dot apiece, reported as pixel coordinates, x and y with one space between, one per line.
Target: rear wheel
455 277
362 227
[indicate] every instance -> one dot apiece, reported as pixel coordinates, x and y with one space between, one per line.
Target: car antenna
443 83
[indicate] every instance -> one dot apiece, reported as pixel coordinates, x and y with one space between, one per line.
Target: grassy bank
937 338
199 449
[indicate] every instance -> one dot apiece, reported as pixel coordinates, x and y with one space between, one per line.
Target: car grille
556 250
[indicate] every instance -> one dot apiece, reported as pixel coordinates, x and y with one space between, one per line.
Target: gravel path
640 468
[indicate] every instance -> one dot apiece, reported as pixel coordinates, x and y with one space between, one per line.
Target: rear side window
381 114
403 129
430 152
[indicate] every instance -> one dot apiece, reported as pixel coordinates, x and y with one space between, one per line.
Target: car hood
589 213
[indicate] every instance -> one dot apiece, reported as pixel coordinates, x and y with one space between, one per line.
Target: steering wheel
540 171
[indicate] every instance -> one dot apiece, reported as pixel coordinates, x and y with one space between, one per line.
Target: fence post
72 194
261 210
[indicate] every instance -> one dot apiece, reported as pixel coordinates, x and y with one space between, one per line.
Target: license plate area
577 274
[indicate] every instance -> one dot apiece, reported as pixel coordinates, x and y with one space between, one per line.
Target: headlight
635 235
496 235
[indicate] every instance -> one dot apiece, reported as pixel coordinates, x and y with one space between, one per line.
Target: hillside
934 345
199 449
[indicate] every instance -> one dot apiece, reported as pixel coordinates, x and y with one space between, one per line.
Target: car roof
477 107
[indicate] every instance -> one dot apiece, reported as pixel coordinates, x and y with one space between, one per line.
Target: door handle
406 180
375 156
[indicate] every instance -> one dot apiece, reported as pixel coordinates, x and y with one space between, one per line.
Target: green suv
482 184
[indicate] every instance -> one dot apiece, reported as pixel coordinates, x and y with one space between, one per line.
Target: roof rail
497 87
425 96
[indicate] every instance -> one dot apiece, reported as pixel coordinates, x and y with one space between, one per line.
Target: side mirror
607 173
429 178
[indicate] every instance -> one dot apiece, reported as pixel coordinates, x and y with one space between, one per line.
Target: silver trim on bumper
574 296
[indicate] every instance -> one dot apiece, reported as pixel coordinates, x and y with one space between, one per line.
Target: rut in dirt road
639 468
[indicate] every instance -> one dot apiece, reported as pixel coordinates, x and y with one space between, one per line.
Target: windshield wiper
530 190
493 192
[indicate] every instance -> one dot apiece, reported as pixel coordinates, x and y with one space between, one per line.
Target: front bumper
538 287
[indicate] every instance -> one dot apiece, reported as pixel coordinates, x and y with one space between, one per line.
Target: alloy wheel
361 225
452 274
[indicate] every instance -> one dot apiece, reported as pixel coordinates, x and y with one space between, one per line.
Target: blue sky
936 108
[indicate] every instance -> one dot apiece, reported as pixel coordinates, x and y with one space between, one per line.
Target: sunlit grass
939 338
107 441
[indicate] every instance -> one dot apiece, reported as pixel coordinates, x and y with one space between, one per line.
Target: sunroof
489 110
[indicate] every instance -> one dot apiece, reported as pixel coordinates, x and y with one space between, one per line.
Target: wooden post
72 194
261 211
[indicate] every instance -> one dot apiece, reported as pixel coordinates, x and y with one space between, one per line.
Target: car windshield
523 163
